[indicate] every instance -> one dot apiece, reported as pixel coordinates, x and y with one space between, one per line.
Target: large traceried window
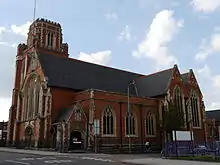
178 102
31 98
108 120
130 124
150 125
194 109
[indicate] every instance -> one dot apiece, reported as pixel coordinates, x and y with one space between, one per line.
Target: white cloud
155 44
206 6
209 46
22 29
2 30
111 16
210 85
9 37
102 57
205 72
125 34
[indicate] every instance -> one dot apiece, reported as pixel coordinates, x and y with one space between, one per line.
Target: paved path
35 152
159 161
7 158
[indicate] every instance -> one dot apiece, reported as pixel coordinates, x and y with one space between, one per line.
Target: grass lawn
204 158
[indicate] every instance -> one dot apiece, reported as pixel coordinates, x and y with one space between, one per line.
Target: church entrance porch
76 141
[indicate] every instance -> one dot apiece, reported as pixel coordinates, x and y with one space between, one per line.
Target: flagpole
35 4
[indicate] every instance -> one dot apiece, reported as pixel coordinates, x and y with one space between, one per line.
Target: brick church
60 100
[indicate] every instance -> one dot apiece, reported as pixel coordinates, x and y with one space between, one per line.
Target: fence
187 148
123 145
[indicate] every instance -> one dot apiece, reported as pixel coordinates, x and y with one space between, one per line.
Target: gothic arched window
50 39
78 115
108 120
131 124
194 109
31 98
22 71
178 102
150 125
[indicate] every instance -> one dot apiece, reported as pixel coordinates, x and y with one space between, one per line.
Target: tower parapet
21 48
47 35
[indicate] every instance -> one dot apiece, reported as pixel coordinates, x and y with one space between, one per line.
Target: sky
141 36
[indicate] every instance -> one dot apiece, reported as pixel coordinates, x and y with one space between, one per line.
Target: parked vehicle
201 150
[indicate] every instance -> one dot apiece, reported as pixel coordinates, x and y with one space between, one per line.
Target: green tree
173 120
173 117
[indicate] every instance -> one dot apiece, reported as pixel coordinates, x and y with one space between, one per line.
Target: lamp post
129 113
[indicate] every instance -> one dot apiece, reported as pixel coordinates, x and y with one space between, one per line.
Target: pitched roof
74 74
63 114
184 77
213 114
155 84
79 75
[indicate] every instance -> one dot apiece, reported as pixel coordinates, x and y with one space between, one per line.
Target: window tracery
108 120
78 115
150 125
194 109
178 102
31 98
131 124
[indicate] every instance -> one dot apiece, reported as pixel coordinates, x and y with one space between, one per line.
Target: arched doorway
76 140
28 136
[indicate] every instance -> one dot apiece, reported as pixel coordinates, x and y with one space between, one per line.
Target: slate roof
155 84
78 75
63 114
184 77
214 114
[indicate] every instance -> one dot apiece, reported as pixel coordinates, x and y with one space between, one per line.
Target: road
7 158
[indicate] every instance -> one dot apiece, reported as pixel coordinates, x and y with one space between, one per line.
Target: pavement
160 161
34 152
9 156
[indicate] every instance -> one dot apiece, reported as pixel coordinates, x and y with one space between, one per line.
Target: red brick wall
61 98
119 104
199 133
210 124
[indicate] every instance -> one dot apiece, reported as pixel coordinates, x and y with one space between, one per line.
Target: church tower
44 36
47 35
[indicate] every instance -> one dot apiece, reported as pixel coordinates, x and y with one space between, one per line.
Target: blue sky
137 35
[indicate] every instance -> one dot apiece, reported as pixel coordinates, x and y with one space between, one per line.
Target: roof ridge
100 65
184 73
148 75
159 72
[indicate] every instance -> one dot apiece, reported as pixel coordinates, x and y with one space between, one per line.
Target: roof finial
35 4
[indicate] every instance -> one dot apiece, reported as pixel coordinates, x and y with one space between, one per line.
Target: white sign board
183 135
96 127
